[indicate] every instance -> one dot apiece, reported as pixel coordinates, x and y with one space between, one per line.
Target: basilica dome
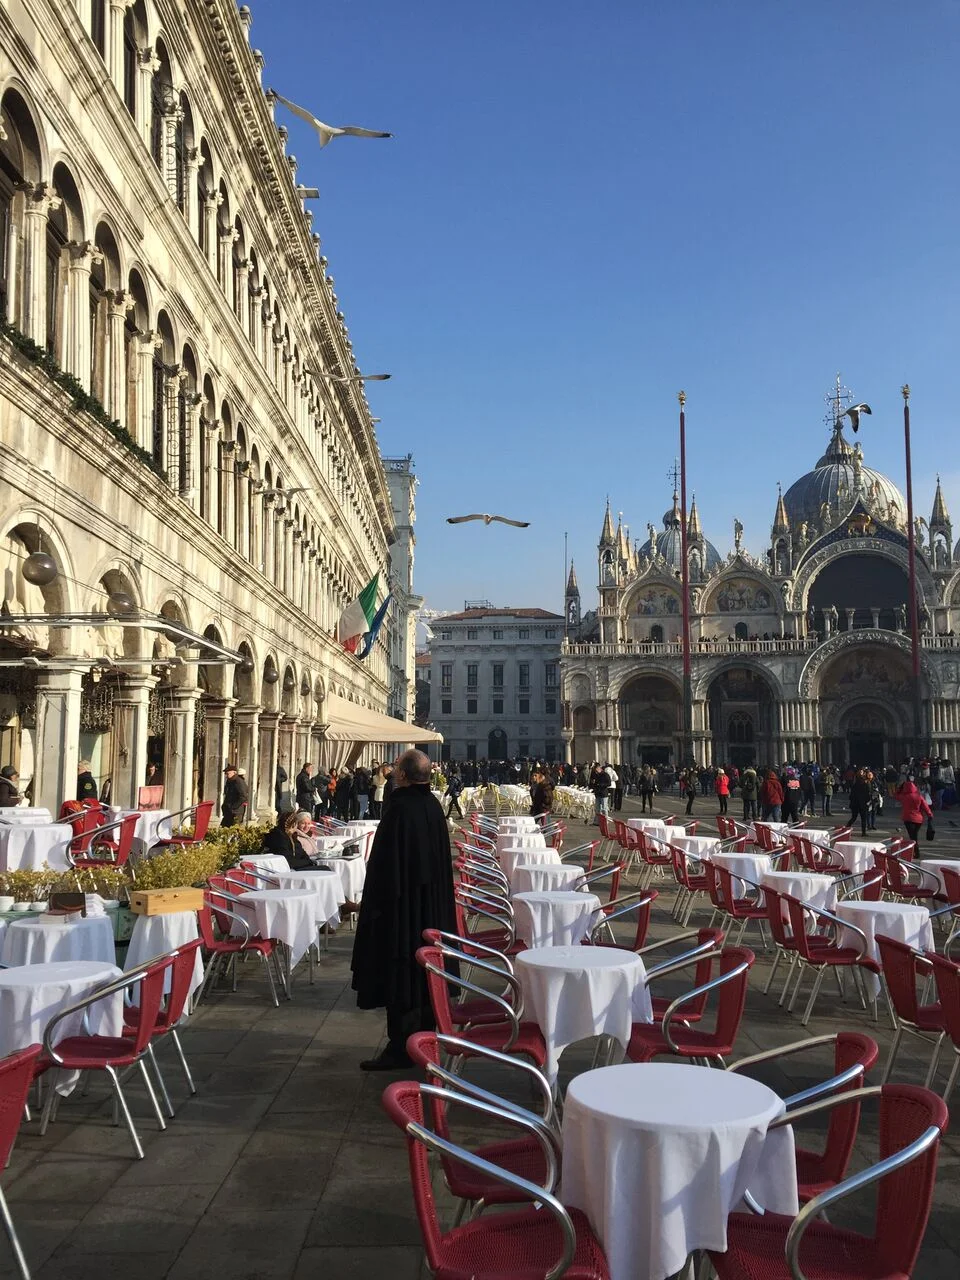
668 542
836 480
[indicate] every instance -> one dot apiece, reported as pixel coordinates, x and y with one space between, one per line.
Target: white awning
349 722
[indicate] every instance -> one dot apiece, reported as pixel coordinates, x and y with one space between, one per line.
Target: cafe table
903 921
659 1154
159 935
857 855
28 846
45 938
510 855
556 919
542 877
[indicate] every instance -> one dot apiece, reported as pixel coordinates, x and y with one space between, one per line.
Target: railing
704 648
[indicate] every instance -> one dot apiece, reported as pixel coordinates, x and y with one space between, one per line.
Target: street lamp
685 587
912 571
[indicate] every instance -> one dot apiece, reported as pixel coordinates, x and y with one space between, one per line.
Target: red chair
111 1054
641 902
16 1075
509 1035
854 1056
903 968
524 1244
737 910
650 1041
708 944
655 854
590 849
197 816
535 1156
224 951
946 973
84 821
900 878
466 1012
149 798
691 883
91 850
820 952
171 1012
780 1248
614 870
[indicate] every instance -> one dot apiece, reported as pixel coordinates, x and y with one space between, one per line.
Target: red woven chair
707 944
197 816
655 854
111 1054
821 952
523 1244
609 835
781 1248
535 1156
904 880
742 911
509 1035
16 1075
854 1056
91 849
464 1012
903 967
589 879
223 951
691 883
648 1042
590 849
641 902
946 972
171 1012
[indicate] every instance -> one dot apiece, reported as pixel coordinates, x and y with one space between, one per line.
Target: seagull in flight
854 412
327 132
517 524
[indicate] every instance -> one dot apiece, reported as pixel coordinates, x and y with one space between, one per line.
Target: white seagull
327 132
854 412
518 524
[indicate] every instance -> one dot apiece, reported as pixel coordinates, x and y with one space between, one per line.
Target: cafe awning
348 722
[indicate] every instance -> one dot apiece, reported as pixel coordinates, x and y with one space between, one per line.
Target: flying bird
854 412
518 524
327 132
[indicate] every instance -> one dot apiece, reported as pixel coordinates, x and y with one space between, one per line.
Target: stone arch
763 599
810 676
26 532
270 683
621 679
245 684
290 691
705 675
891 546
113 579
742 699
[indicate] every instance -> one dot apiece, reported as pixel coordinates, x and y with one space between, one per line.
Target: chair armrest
665 942
688 958
454 939
115 987
456 1044
580 848
487 966
707 987
232 915
508 1011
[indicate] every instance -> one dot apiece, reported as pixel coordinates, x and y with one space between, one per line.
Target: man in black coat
306 788
233 806
409 888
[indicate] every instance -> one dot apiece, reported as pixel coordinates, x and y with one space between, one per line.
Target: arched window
241 492
162 105
185 418
740 728
57 236
740 631
19 163
134 37
104 359
238 266
209 413
164 357
137 321
656 634
205 189
98 320
254 323
182 143
223 229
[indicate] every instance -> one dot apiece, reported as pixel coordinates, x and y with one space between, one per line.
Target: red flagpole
912 571
685 588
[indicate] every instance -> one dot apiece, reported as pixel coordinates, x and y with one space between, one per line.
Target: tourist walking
721 785
648 787
749 790
771 798
233 806
541 795
454 788
378 781
914 809
860 799
828 782
408 888
305 786
600 786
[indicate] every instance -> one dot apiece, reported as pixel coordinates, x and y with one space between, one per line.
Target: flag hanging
370 639
358 616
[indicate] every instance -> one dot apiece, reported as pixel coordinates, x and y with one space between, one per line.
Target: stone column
118 10
77 336
148 64
226 239
296 594
178 758
286 748
269 745
269 536
246 721
58 736
875 616
128 766
190 480
850 615
39 201
211 203
115 355
147 345
215 747
191 168
241 297
228 487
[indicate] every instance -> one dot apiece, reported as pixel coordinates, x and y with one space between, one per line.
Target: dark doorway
742 756
496 745
654 755
866 748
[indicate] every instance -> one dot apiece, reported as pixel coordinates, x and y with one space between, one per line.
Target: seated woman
283 839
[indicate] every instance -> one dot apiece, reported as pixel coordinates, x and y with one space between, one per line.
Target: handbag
931 831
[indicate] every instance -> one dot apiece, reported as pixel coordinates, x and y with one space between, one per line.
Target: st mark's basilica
803 654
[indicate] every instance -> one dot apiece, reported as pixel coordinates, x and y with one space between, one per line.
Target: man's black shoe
387 1061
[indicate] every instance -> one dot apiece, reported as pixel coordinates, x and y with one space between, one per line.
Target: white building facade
405 603
177 425
495 683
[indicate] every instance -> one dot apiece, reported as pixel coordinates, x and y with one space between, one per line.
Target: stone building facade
181 424
495 683
405 604
803 655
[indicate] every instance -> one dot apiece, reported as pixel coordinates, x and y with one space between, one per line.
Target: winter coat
913 807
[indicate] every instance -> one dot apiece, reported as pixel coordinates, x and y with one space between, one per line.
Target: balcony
705 648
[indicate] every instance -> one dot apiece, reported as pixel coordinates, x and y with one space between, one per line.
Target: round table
509 826
542 877
42 939
25 814
816 835
153 825
900 920
646 824
352 873
288 915
28 846
751 867
558 919
159 935
323 884
32 995
521 840
699 846
574 993
808 886
510 855
266 862
935 867
857 855
659 1154
330 844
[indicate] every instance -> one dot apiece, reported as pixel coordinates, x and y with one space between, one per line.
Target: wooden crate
161 902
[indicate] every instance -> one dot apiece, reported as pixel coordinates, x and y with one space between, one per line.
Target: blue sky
588 207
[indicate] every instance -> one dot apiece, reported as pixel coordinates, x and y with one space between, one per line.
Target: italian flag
357 618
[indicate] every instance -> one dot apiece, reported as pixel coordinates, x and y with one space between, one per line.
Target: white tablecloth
819 891
697 845
525 823
935 867
900 920
558 919
33 994
352 873
510 856
574 993
158 935
646 824
153 825
857 855
750 867
659 1154
325 885
28 846
24 814
542 877
43 939
332 844
521 840
816 835
285 914
266 862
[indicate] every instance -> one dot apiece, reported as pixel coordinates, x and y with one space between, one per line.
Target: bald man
409 888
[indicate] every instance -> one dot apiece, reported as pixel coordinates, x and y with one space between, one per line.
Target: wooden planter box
160 902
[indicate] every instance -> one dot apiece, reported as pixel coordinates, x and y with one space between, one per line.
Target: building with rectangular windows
495 683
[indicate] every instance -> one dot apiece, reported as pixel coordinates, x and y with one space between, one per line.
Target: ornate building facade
182 428
803 655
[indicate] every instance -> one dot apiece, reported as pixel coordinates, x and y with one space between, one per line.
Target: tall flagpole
685 589
912 568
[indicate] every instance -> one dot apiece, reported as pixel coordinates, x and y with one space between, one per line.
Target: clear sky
589 206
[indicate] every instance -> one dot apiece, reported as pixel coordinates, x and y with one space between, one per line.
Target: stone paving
284 1166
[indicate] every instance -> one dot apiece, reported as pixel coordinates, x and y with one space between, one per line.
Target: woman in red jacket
722 788
771 797
914 810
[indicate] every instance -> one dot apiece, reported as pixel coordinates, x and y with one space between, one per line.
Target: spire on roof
623 542
694 528
940 517
572 585
780 522
607 537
